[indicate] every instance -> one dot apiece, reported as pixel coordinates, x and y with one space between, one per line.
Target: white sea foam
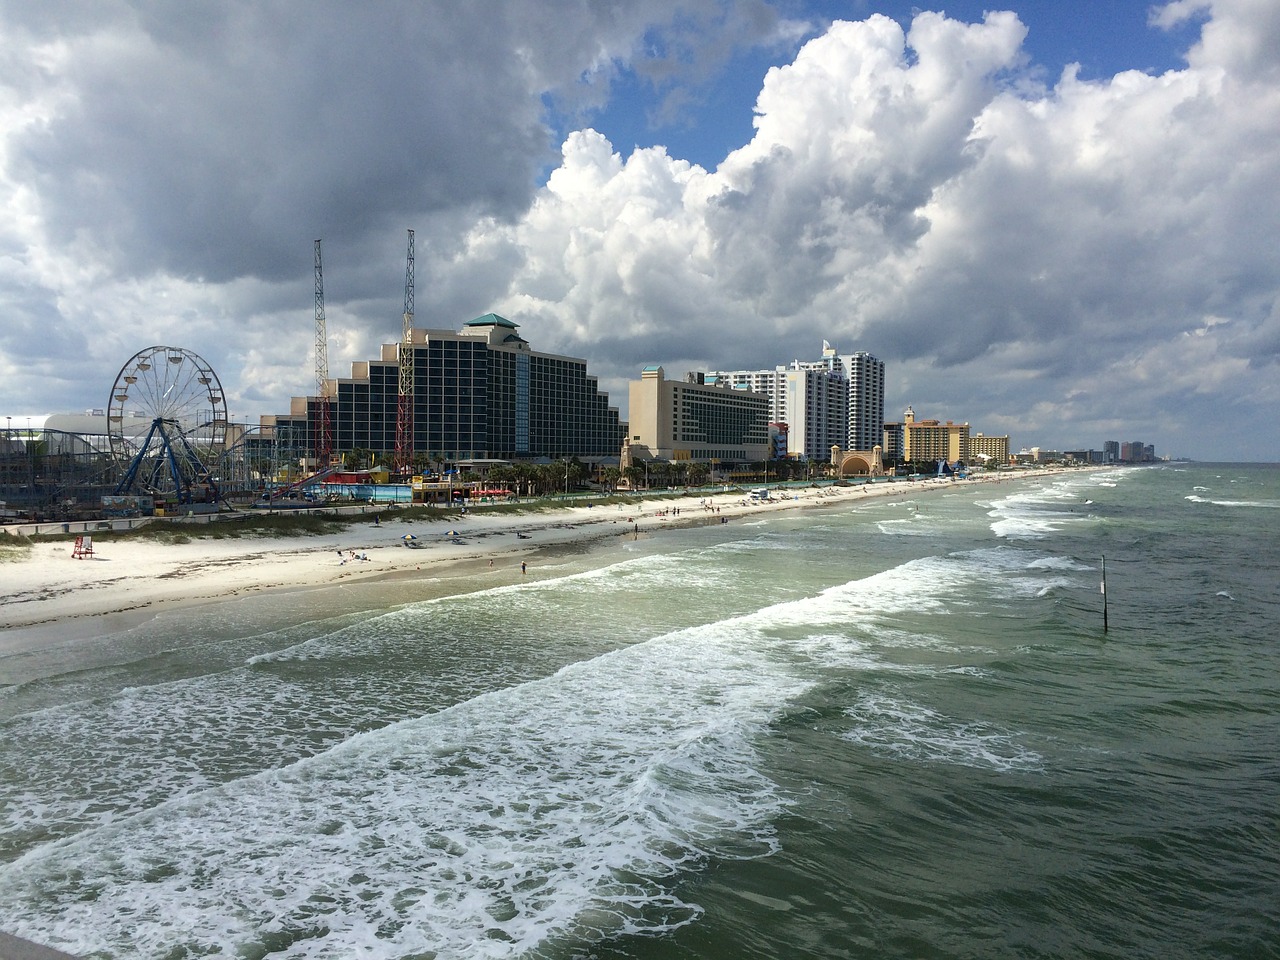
138 746
553 809
1263 504
521 601
1026 526
917 734
914 526
1037 513
1057 563
890 638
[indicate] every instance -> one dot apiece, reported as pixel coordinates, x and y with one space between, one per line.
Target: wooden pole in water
1104 594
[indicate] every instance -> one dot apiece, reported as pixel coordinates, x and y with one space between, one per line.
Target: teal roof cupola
491 320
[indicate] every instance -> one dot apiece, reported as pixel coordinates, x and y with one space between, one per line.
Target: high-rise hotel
480 393
696 419
837 401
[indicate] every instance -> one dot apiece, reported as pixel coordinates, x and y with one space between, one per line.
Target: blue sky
1066 254
1104 38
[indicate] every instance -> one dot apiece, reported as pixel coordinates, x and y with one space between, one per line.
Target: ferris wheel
176 399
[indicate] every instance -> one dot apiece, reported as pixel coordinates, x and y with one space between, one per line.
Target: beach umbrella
408 536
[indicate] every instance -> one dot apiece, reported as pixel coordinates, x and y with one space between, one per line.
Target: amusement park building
480 393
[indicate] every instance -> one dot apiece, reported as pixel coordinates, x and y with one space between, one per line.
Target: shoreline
50 597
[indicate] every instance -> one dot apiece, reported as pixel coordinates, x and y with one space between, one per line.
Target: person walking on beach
524 568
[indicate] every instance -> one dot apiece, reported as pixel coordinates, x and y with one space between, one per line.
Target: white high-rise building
769 383
835 401
866 399
812 400
817 405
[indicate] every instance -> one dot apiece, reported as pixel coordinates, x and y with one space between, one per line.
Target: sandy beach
48 593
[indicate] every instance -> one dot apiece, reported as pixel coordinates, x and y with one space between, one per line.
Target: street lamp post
31 469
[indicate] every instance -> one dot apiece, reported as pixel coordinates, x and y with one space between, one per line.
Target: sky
1052 221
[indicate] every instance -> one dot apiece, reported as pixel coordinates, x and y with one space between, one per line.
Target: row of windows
718 454
458 405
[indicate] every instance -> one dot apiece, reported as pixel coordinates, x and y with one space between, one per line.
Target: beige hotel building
991 448
925 440
691 419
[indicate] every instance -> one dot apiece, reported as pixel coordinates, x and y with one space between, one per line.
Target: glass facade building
480 393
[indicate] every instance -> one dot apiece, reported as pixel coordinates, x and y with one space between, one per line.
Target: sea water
892 728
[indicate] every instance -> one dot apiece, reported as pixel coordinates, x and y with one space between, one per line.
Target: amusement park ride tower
324 419
404 407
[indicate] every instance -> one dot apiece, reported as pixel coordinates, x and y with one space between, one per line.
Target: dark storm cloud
204 141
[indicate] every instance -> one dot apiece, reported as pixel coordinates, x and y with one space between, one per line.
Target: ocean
886 729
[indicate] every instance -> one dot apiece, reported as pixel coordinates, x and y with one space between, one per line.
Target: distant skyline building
891 445
1083 456
768 383
479 393
1135 451
817 404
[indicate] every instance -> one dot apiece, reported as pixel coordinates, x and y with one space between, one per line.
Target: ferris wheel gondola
180 398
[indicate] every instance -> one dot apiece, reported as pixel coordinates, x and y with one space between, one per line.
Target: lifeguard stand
83 548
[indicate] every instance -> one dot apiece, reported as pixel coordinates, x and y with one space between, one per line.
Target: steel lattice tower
404 408
324 422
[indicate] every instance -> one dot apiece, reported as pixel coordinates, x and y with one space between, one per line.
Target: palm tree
504 474
575 474
420 463
680 472
525 478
